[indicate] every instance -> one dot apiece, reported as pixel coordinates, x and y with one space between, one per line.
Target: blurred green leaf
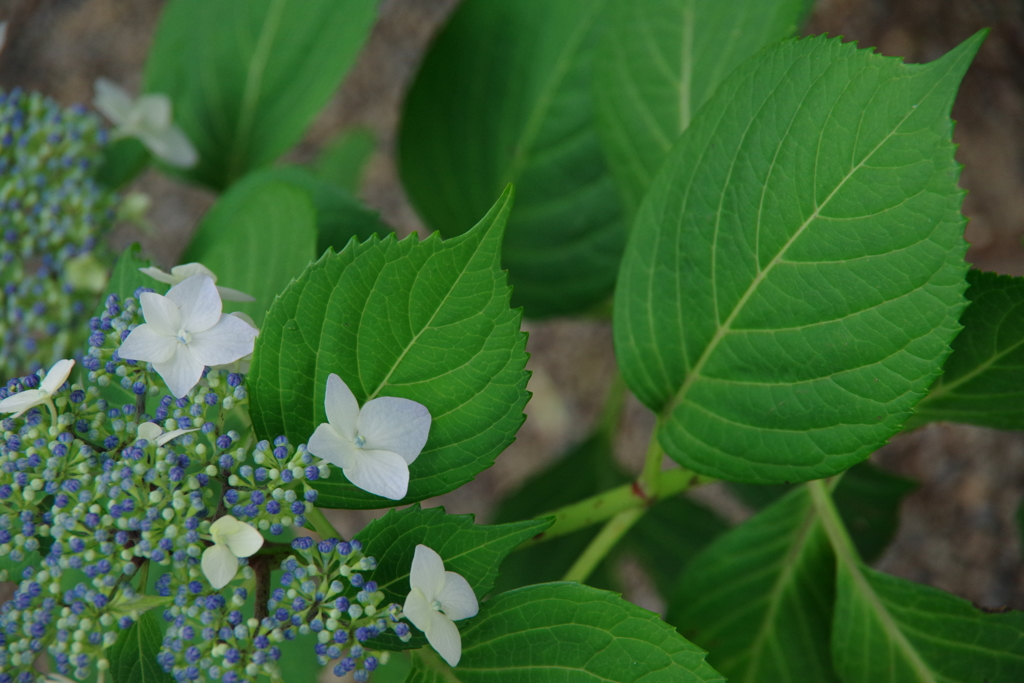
658 62
344 160
122 160
257 238
504 96
246 79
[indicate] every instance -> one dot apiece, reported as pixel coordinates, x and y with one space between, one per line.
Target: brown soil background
957 530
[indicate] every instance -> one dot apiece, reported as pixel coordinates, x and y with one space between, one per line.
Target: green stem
602 544
606 505
321 525
650 476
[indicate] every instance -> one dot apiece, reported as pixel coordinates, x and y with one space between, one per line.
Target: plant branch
602 544
606 505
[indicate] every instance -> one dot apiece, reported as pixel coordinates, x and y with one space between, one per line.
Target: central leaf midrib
789 563
726 326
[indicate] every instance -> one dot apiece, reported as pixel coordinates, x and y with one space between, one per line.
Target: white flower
375 445
147 118
30 398
186 331
232 539
187 270
437 600
154 433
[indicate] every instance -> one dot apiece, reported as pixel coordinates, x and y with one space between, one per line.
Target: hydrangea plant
773 225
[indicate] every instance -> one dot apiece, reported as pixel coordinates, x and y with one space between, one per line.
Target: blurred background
959 531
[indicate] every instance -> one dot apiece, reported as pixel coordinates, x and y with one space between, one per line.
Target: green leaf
759 598
795 274
122 160
668 538
133 657
982 382
504 96
660 61
126 278
893 630
246 80
428 321
257 238
344 160
566 633
473 550
868 500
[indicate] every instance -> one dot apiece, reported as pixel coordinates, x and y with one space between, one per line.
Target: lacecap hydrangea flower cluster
107 511
53 214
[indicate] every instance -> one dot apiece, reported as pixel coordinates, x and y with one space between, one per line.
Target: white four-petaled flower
147 118
186 331
232 539
187 270
437 600
375 445
30 398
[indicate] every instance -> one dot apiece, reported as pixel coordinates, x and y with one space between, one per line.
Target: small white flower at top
374 445
154 433
437 600
185 331
148 118
30 398
187 270
232 539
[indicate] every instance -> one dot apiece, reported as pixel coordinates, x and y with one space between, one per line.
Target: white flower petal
417 609
187 270
244 540
328 444
382 473
149 431
112 100
153 111
22 401
444 636
427 572
224 526
56 376
145 344
457 598
227 341
228 294
162 313
197 299
172 435
181 372
170 145
159 275
219 565
341 406
394 424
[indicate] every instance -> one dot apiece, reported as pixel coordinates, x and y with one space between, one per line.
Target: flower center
360 441
436 605
184 336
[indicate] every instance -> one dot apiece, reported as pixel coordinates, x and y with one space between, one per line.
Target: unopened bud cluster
52 215
88 510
